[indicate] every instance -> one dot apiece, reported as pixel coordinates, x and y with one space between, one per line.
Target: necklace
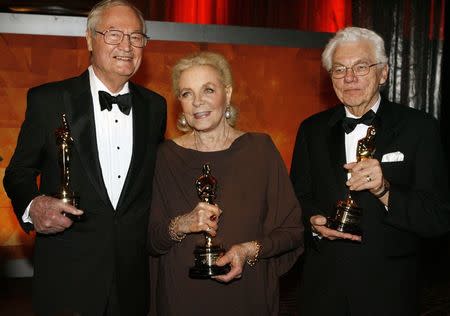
223 144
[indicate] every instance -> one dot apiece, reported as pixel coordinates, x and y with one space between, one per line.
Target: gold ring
368 178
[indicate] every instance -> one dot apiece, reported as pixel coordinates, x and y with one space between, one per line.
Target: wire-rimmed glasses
360 69
115 37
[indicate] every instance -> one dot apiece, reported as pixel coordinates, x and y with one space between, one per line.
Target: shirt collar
98 85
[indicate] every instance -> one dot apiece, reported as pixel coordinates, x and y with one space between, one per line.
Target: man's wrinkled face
358 93
115 63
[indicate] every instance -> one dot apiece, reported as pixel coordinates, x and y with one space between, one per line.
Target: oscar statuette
347 217
206 255
64 143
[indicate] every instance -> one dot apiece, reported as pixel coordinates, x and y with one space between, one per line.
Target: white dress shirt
114 132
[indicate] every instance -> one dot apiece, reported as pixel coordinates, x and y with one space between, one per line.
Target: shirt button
116 121
118 147
118 177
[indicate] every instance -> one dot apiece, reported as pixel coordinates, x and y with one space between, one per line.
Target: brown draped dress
258 203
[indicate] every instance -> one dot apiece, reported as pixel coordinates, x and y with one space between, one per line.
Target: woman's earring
228 112
182 120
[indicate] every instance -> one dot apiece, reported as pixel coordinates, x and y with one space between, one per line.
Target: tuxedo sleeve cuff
26 218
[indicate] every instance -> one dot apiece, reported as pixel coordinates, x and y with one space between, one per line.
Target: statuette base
205 267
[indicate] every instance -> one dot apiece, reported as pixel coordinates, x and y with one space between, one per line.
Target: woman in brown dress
256 215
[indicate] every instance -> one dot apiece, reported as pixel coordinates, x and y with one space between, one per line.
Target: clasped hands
205 218
365 175
47 214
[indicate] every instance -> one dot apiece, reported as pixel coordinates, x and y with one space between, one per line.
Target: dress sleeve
283 230
423 206
159 241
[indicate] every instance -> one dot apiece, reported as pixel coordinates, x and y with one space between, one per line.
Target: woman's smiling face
203 97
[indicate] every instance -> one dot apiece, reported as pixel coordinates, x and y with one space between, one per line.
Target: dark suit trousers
112 307
355 287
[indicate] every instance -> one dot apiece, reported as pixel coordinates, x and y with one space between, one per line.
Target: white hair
96 13
354 34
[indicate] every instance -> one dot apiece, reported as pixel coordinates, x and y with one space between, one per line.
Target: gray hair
214 60
354 34
97 11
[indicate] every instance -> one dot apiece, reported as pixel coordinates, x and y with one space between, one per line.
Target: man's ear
384 75
89 40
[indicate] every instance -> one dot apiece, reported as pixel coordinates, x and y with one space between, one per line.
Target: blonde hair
98 9
214 60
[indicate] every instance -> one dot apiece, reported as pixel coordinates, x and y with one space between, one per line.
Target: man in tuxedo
97 265
402 189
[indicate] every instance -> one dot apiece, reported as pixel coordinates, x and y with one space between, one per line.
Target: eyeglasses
362 69
115 37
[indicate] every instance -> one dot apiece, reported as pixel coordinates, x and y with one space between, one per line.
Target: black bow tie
122 100
349 123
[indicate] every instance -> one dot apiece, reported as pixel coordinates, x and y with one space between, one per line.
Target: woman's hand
236 257
204 217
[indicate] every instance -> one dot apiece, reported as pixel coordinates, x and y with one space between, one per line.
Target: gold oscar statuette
206 255
347 217
64 143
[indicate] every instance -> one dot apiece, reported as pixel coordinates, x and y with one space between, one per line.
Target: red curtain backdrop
437 16
305 15
197 11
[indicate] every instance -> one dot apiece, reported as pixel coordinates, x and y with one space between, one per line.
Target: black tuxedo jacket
418 201
74 269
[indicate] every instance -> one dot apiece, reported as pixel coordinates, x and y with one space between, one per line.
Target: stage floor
15 298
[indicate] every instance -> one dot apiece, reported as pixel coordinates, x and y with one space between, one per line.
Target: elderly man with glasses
371 180
90 258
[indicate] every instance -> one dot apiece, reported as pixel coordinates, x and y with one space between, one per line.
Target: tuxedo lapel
79 109
336 145
386 128
141 131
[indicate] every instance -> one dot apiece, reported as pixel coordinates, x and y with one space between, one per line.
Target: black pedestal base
205 259
347 219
